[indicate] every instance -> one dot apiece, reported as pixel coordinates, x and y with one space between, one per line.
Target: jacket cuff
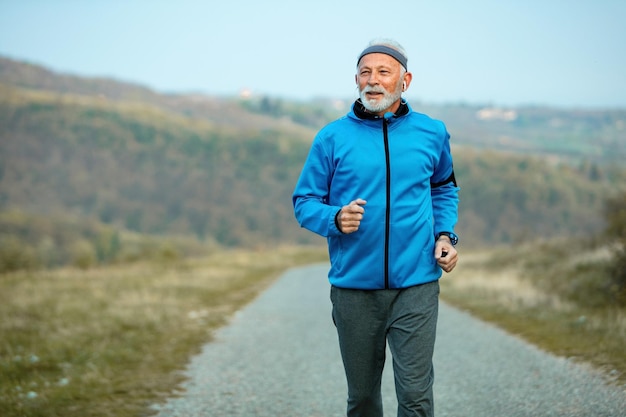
334 223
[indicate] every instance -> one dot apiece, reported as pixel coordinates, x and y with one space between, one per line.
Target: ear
407 81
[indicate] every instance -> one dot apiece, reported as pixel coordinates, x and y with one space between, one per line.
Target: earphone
403 86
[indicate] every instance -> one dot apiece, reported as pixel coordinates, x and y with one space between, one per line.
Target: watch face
454 239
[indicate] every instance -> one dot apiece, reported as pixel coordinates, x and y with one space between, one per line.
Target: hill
144 169
221 170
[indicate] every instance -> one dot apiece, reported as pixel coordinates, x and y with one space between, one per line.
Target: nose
372 80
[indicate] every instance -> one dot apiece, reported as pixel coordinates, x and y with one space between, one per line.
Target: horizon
247 95
503 54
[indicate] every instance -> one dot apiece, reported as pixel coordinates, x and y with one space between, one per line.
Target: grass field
110 341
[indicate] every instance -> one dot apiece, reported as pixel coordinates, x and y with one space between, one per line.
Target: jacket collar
362 113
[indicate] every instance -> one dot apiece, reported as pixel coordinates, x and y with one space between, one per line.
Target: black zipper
388 208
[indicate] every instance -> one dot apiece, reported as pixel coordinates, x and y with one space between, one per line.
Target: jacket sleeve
311 195
444 191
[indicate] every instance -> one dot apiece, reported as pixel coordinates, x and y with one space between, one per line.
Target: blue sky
569 53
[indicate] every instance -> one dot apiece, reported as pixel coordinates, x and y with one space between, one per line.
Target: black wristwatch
454 239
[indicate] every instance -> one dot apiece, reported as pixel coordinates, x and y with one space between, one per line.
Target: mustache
374 89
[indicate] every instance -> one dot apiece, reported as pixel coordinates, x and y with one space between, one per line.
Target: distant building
495 113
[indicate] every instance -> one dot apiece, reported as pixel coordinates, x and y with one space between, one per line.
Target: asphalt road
279 358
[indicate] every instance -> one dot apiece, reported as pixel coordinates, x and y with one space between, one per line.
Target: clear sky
568 53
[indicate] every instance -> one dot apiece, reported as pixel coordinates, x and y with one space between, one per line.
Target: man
379 184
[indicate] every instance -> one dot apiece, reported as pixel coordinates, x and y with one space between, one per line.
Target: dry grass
108 341
521 290
503 287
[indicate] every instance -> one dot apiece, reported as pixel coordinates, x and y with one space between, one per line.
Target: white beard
378 106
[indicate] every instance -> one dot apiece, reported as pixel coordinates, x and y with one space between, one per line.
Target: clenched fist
349 218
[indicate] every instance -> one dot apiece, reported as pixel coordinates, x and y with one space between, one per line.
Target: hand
349 218
445 254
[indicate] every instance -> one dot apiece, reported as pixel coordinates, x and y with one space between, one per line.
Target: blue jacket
402 166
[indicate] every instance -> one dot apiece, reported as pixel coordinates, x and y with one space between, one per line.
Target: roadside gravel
279 358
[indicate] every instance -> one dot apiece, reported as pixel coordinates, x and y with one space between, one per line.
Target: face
380 80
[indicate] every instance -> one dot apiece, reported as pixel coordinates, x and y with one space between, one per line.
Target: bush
14 256
615 214
29 242
83 254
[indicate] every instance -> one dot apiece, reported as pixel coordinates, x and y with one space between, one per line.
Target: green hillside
146 170
222 170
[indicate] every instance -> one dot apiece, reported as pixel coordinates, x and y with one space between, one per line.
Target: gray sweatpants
407 320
